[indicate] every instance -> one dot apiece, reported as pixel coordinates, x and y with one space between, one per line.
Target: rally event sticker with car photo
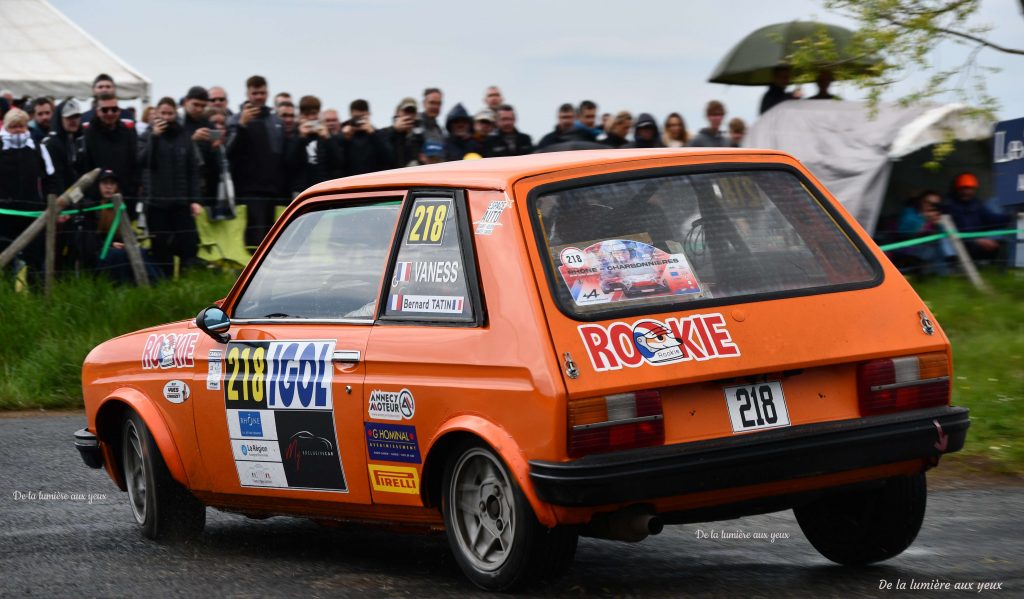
280 411
618 270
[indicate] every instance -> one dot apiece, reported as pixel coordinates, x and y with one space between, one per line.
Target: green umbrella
751 61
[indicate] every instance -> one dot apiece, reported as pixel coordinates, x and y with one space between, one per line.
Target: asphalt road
83 542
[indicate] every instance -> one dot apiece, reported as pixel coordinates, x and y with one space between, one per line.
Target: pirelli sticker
280 412
395 479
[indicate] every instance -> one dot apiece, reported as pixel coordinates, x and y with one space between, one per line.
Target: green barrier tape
110 234
930 238
38 213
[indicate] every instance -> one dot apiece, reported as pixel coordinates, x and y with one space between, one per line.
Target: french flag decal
396 302
403 271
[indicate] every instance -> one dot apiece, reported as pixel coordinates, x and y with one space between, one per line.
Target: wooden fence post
961 253
50 264
131 243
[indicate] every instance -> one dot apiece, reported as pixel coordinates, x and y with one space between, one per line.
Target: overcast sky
644 56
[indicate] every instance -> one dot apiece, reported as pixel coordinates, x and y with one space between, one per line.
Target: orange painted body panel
503 381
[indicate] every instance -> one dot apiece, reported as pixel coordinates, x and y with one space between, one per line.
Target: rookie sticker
658 343
170 350
395 479
428 220
620 270
280 413
392 442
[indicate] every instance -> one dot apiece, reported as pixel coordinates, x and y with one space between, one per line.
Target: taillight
619 421
907 383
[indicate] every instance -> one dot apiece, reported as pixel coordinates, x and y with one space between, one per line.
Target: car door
280 414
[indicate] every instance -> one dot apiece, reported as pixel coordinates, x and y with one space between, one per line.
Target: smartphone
216 134
314 124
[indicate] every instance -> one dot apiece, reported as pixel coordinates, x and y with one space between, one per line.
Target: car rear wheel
866 525
162 507
492 529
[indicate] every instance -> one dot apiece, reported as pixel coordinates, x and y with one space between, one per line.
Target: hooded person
460 139
645 133
23 166
64 143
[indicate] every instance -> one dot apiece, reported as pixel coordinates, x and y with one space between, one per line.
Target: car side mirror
215 323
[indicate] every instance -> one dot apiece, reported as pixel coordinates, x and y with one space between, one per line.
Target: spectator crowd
183 157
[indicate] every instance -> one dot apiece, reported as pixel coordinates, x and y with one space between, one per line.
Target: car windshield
647 243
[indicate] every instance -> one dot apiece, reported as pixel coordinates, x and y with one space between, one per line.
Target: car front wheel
491 527
864 526
162 507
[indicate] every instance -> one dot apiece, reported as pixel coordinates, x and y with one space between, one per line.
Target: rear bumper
775 455
89 448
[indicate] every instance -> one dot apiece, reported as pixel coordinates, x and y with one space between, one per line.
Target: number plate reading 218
758 406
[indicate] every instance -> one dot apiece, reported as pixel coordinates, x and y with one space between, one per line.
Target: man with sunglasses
111 144
219 99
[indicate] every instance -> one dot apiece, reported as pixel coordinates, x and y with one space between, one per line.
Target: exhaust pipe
631 525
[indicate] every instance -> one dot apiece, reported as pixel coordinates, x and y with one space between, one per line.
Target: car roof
501 173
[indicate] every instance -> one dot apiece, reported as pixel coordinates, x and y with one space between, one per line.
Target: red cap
966 180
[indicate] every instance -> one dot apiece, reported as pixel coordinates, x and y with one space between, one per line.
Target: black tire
864 526
526 553
163 508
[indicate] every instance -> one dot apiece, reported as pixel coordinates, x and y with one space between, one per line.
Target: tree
902 34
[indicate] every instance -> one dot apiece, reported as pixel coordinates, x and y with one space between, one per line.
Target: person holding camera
256 150
406 134
314 156
366 149
171 187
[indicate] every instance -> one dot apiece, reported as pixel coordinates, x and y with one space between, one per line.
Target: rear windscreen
648 243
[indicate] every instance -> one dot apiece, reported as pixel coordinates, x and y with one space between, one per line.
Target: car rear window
643 244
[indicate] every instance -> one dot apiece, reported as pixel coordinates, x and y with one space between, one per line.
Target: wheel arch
465 427
109 416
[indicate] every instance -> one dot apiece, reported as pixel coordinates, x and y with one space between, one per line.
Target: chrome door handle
348 356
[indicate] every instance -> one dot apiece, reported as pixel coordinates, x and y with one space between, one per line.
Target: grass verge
44 340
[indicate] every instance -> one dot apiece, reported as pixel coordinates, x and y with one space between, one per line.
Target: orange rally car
524 350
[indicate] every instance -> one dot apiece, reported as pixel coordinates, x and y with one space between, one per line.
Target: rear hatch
736 295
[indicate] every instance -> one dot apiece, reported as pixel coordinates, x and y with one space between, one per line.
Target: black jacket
115 149
312 159
646 120
558 136
209 163
514 144
171 166
455 148
774 95
66 152
257 153
614 141
21 171
367 152
405 146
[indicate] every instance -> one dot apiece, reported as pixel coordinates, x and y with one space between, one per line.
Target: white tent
851 152
45 54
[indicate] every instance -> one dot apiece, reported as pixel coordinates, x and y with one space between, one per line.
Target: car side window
327 264
430 280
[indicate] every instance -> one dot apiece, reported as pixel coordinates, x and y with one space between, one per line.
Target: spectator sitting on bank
737 130
94 233
971 215
920 218
617 130
675 134
645 133
777 93
507 141
460 139
711 136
